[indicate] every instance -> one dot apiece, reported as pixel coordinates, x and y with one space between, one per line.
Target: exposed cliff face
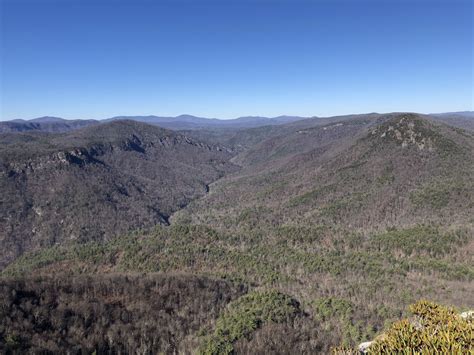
99 182
91 155
78 156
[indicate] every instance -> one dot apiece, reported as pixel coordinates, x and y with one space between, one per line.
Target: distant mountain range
125 236
182 122
44 124
463 119
193 122
469 114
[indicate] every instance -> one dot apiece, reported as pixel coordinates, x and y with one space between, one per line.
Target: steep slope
95 183
314 224
370 172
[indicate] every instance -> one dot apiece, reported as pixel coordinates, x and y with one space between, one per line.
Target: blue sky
96 59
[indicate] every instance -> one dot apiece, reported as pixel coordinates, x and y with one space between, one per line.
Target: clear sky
100 58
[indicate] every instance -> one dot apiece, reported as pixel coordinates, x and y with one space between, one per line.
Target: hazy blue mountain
461 119
44 124
193 122
181 122
49 119
469 114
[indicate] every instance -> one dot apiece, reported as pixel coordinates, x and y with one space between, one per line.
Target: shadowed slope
98 182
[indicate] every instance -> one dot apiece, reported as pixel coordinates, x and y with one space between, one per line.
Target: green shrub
437 195
245 315
328 307
435 329
419 240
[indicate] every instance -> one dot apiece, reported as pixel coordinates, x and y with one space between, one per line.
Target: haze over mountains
463 119
43 124
258 235
314 193
56 124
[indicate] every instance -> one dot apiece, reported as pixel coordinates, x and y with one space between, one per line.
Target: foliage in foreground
434 329
245 315
353 284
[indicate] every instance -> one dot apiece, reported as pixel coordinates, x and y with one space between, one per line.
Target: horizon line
228 119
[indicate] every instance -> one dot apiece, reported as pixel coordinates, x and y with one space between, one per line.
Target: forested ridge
312 237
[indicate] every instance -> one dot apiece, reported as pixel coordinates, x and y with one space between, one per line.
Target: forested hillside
371 172
314 235
98 182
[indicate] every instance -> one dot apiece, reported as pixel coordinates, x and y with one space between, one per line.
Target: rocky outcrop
94 184
416 322
405 131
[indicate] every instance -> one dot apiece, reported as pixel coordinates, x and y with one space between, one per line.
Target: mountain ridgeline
44 124
182 122
218 128
300 236
98 182
373 171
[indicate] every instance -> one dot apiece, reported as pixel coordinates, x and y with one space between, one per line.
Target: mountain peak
408 129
